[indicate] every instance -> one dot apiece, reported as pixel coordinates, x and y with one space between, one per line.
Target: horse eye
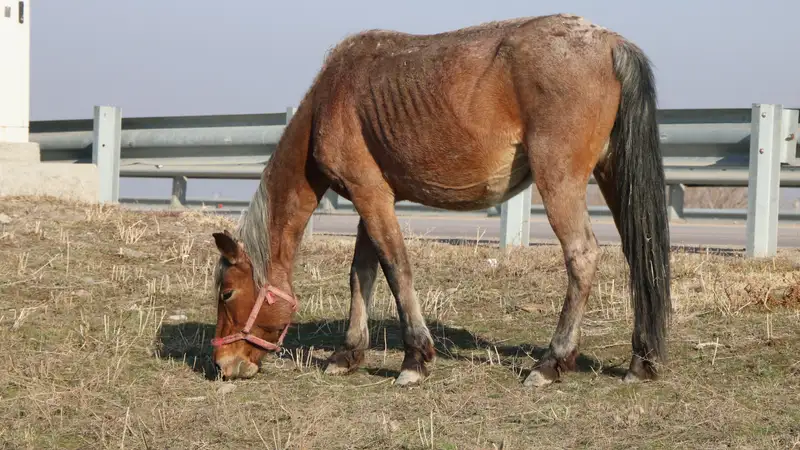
227 295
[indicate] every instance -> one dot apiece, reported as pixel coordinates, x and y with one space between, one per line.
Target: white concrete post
515 220
676 196
178 199
764 181
106 151
15 57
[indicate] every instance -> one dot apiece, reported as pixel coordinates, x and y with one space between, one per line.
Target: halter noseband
267 293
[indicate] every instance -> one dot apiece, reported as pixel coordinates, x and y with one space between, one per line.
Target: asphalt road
706 234
697 232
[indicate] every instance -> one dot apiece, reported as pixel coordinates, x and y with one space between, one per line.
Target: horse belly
475 180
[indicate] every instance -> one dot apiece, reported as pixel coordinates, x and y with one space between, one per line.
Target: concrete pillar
15 56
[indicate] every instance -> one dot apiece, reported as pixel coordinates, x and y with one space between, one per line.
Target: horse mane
251 231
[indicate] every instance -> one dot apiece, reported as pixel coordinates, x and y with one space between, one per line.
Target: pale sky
185 57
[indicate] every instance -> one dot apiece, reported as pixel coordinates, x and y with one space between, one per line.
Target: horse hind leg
571 225
564 196
363 272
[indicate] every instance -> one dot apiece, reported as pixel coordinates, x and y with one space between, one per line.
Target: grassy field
105 317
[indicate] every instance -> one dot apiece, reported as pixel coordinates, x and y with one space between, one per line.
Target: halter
266 293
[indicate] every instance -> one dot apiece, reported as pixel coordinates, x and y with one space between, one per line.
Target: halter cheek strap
267 293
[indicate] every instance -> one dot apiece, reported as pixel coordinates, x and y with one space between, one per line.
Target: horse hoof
344 362
633 376
630 377
333 369
640 370
536 380
408 377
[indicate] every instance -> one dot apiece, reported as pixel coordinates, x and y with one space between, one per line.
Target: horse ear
227 246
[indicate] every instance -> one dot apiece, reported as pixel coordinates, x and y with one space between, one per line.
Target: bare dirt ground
106 315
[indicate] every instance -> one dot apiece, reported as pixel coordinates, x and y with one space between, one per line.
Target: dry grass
105 317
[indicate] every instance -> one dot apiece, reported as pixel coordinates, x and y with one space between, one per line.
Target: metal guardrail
756 147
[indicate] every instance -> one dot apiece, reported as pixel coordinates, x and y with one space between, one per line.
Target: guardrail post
179 191
676 195
764 181
515 220
329 202
106 151
789 130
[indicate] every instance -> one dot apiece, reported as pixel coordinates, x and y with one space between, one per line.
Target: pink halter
266 293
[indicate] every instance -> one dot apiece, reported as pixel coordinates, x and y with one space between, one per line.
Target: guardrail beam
701 148
106 150
762 189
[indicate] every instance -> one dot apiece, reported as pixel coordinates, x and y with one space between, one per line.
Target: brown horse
461 120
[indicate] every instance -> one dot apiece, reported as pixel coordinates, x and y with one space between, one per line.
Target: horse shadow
189 343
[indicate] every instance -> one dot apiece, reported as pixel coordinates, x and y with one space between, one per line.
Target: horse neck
291 189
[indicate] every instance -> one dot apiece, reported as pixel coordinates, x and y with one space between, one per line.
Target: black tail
643 223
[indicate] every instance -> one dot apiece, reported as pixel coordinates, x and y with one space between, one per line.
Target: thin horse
460 120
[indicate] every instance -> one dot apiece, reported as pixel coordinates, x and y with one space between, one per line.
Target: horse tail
642 212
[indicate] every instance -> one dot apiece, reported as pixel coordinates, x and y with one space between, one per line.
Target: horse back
444 113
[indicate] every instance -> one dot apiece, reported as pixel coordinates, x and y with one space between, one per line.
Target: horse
460 120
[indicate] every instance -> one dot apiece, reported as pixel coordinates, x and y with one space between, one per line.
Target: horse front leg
380 222
363 271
